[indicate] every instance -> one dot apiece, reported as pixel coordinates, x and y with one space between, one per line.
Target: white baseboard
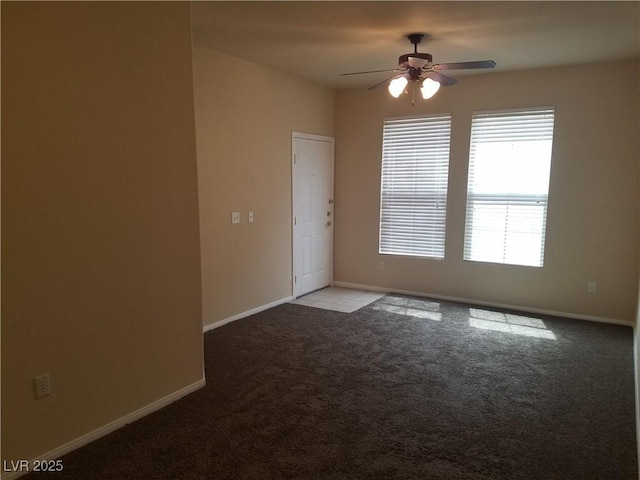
369 288
110 427
521 308
248 313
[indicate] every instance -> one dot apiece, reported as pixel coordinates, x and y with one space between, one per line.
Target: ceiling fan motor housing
415 60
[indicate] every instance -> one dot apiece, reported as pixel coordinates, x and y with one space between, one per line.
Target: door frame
323 138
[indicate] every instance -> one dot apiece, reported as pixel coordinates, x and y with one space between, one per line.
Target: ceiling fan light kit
397 86
429 88
418 68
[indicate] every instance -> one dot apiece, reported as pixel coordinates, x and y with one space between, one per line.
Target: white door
312 212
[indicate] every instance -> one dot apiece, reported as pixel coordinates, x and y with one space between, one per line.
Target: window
415 168
508 186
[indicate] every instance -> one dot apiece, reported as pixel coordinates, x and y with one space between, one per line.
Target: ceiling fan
418 68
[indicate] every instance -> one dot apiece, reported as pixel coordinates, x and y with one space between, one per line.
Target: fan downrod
415 39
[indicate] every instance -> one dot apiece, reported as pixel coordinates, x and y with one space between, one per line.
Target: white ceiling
319 40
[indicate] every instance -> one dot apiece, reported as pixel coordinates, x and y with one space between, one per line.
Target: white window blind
415 167
508 186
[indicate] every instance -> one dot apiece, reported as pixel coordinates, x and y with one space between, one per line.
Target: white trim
111 427
514 110
541 311
370 288
248 313
311 136
416 116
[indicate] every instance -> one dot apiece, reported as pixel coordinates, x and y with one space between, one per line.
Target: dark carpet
404 388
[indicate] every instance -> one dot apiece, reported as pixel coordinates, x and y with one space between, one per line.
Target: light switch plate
235 217
251 217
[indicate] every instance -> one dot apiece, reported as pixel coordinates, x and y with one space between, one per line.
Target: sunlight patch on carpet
508 323
412 312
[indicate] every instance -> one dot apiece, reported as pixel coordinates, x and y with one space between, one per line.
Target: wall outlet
42 385
380 265
235 217
592 286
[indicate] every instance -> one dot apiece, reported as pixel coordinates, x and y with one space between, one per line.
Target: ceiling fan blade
374 71
464 65
383 82
441 79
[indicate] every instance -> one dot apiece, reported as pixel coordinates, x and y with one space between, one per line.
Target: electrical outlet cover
42 385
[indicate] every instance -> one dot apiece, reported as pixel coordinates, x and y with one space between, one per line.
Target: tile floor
340 299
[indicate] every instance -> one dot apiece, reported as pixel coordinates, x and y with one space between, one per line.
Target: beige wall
245 114
636 340
100 247
592 227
